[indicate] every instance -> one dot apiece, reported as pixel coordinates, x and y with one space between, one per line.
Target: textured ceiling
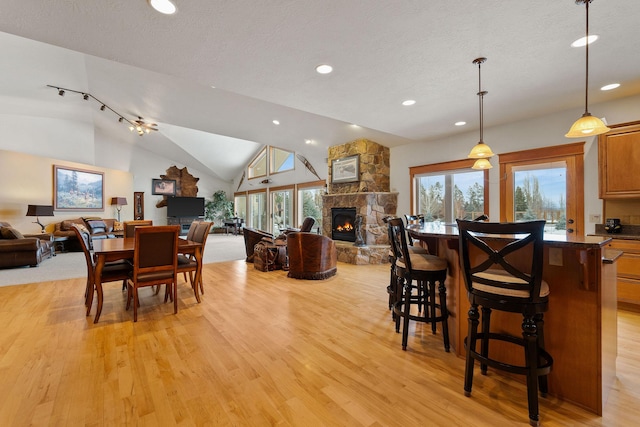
261 56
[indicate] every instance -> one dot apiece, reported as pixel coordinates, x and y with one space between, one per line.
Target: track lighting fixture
481 151
139 125
587 125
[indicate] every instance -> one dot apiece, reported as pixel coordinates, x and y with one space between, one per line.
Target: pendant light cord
586 80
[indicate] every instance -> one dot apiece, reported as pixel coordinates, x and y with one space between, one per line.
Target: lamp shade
587 125
480 151
482 164
39 210
119 201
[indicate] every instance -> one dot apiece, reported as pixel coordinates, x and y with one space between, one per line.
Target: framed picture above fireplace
346 169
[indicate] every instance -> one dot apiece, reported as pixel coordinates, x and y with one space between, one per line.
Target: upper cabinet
619 162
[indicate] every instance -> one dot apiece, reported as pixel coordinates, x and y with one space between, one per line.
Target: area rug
220 247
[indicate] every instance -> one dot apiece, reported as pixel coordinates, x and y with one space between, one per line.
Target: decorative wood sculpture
185 184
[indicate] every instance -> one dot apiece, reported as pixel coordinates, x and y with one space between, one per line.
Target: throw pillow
10 233
97 226
117 226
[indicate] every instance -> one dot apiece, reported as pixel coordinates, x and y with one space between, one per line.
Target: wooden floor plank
261 349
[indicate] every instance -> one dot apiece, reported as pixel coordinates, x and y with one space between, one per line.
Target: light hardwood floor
260 350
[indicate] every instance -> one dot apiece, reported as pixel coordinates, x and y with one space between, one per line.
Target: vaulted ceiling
261 58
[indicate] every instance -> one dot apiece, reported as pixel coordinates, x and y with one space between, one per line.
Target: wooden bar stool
427 271
505 273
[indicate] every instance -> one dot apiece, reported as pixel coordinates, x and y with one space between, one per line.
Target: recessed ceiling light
460 123
276 122
610 86
213 87
353 125
308 141
582 41
163 6
324 69
408 102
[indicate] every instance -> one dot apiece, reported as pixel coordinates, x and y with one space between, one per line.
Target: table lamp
119 202
39 210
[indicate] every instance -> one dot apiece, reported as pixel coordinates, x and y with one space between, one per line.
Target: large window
280 160
281 209
448 191
240 205
258 210
544 183
310 202
258 167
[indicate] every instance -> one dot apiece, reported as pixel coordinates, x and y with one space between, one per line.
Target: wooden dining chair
190 233
112 271
188 263
129 226
155 262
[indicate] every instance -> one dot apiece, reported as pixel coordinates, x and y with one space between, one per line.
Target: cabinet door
138 205
618 158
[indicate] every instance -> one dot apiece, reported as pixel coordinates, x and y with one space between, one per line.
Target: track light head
60 92
85 96
120 119
102 107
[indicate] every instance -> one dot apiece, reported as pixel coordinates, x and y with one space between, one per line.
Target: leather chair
18 250
129 226
505 274
311 256
155 262
428 271
251 237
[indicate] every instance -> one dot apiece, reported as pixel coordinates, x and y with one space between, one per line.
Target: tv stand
183 221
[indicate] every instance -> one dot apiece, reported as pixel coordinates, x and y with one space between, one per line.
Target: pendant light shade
587 125
481 151
481 164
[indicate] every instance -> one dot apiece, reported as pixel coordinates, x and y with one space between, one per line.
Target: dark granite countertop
628 232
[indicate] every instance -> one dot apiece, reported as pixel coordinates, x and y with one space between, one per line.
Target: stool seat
501 264
424 262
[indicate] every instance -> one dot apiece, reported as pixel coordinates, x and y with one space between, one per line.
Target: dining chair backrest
201 232
155 250
83 237
514 267
129 226
192 230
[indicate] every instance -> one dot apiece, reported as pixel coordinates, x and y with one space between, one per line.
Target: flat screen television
185 206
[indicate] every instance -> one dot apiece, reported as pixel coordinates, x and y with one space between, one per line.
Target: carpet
70 265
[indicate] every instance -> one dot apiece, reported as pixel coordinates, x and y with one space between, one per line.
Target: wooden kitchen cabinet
628 272
618 160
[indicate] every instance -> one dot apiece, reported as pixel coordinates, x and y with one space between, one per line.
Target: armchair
311 256
17 250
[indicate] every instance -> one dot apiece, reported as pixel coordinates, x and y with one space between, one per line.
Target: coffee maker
612 225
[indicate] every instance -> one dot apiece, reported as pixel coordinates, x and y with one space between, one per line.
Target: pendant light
481 151
587 125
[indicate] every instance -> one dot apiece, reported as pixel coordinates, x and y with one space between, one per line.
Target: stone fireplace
369 196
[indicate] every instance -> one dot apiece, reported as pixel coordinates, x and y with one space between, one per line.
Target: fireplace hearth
343 224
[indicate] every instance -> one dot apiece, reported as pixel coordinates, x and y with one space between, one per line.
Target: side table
59 242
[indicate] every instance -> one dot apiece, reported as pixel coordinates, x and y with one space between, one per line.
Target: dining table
117 249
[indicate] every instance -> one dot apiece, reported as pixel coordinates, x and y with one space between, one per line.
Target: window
448 191
281 209
240 206
257 210
310 202
544 183
258 167
280 160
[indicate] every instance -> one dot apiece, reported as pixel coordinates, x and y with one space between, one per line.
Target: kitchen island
580 325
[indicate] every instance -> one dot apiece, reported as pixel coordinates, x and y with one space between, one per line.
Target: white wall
533 133
34 144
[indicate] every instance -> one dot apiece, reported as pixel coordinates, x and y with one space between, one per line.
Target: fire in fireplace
342 224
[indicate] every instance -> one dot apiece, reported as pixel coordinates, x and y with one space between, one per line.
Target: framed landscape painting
77 189
346 169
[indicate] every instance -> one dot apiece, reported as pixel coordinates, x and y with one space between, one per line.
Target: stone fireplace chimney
368 192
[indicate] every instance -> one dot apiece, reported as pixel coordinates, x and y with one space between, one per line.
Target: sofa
97 228
17 250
